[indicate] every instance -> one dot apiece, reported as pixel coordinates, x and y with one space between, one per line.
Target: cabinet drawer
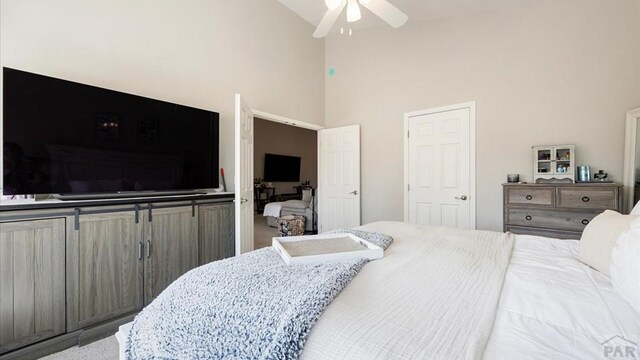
531 196
556 234
588 198
559 220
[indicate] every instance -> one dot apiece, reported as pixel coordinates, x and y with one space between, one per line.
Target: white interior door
439 168
243 176
339 178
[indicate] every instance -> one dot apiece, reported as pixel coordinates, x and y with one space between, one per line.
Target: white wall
563 71
196 52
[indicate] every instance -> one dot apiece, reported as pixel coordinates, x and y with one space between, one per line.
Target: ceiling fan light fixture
353 11
332 4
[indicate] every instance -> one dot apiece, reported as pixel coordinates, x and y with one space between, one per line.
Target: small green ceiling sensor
332 71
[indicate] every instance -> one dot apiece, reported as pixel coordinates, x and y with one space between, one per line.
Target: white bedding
551 306
273 209
555 307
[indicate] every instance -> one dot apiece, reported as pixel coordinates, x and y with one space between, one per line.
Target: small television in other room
281 168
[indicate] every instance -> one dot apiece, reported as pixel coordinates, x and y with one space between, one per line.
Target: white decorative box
311 249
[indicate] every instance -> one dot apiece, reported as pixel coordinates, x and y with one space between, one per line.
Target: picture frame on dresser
558 210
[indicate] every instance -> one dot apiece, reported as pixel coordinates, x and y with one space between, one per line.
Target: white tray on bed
310 249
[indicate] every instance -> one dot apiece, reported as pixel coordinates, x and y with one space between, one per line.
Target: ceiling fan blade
328 20
387 12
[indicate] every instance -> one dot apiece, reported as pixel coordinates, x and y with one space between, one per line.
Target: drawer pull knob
528 197
585 199
528 217
585 222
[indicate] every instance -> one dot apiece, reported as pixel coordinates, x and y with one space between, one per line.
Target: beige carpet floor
105 349
262 234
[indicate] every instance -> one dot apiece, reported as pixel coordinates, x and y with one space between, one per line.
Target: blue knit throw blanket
253 306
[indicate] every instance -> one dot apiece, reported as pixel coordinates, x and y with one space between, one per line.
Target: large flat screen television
281 168
62 137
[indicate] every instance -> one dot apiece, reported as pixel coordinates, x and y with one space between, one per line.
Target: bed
550 306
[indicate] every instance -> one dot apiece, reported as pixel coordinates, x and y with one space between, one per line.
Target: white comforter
433 296
552 306
555 307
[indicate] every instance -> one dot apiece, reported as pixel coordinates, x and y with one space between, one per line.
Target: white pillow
625 265
600 237
636 209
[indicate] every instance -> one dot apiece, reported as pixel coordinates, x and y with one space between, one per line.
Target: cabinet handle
148 249
528 217
585 222
136 208
139 250
528 197
76 219
585 199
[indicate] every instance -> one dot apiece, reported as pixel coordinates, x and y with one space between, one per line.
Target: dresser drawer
556 234
530 196
551 219
588 198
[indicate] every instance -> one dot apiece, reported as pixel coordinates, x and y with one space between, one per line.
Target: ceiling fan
387 12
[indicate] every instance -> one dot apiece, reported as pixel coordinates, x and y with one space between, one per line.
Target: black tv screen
281 168
62 137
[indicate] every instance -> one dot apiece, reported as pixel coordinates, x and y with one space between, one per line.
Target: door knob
463 197
243 200
354 192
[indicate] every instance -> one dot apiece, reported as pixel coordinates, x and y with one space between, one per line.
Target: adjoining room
286 177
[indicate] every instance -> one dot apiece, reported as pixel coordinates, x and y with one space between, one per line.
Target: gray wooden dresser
557 210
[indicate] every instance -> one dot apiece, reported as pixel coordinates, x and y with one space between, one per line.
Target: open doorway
285 177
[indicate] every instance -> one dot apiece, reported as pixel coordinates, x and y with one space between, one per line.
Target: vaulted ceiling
417 10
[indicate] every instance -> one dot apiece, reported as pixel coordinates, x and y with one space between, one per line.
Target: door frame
263 115
633 117
471 105
284 120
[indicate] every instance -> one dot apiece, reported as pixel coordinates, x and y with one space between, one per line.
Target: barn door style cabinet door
104 267
171 247
216 232
86 270
32 304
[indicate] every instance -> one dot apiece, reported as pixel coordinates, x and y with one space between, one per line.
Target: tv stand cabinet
86 268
